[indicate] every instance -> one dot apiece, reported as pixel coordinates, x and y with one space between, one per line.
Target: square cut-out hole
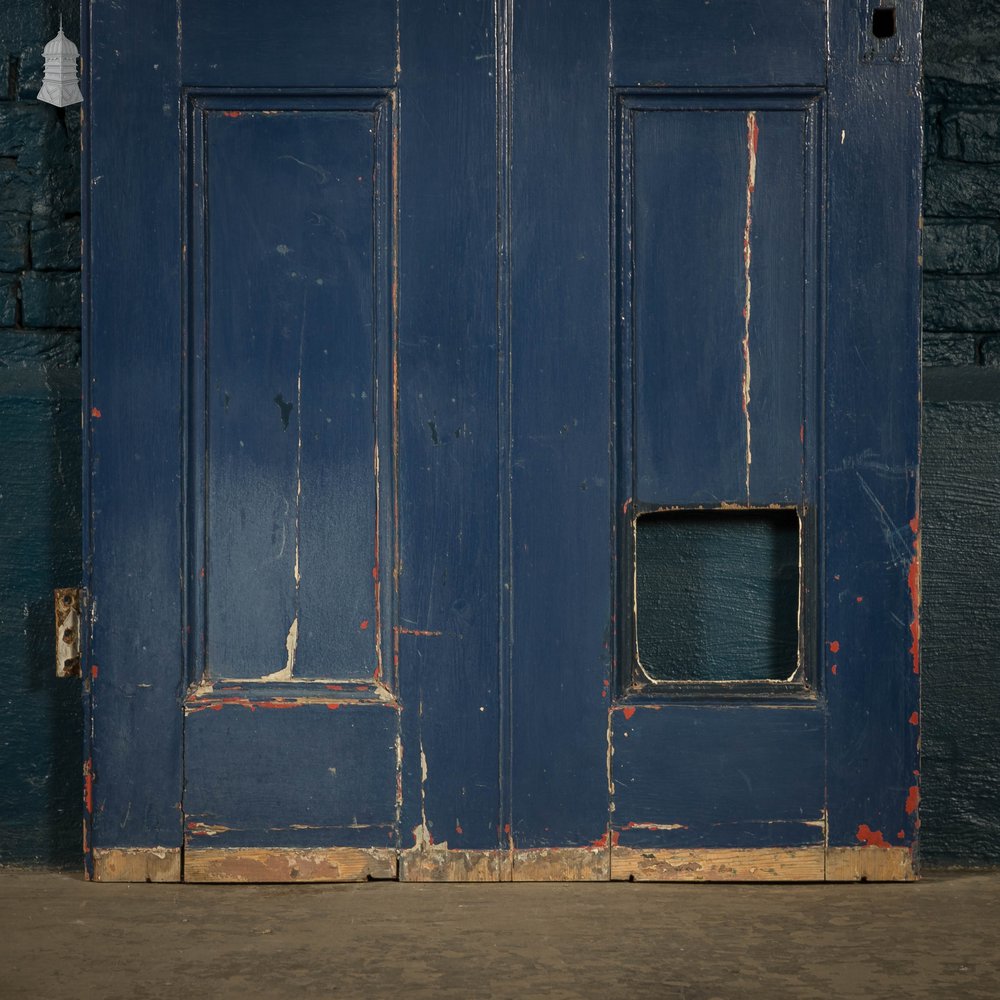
717 595
884 22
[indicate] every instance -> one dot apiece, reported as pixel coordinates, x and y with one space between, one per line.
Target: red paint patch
334 687
88 787
629 712
333 705
870 837
506 828
833 670
802 433
232 114
834 646
913 584
912 800
95 413
364 624
914 718
900 835
858 599
602 841
93 672
458 829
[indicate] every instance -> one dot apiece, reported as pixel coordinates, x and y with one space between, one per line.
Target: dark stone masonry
40 722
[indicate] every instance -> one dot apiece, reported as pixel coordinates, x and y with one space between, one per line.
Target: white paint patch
283 249
752 137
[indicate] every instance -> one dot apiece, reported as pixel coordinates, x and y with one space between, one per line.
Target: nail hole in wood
884 22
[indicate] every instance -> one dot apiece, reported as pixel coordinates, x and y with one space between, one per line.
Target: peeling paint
206 829
912 800
913 584
95 413
870 837
914 719
654 826
753 134
835 646
416 631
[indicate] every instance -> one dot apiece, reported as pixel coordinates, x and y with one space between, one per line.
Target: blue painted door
502 438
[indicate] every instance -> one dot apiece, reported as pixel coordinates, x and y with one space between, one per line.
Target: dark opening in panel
717 595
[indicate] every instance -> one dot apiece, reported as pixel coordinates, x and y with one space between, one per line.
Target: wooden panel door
502 428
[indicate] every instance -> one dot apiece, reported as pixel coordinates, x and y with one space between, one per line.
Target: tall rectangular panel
717 281
292 236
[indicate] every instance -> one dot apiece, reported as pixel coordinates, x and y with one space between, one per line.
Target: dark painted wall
960 809
40 719
40 724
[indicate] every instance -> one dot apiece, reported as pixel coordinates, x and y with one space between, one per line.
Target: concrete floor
62 937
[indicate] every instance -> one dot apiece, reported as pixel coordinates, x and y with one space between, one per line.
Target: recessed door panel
293 225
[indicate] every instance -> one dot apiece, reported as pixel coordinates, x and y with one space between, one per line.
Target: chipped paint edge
561 864
439 864
323 864
870 864
796 864
136 864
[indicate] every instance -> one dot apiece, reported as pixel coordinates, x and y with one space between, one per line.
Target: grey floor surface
63 937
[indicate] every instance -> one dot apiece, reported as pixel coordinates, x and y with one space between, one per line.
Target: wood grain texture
870 864
328 864
439 864
137 864
804 864
561 864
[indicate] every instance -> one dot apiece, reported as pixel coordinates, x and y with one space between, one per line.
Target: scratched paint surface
586 323
292 394
719 324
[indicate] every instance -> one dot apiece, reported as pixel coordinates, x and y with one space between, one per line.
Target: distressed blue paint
718 767
872 388
304 775
560 409
494 302
295 387
726 43
713 195
448 643
337 43
749 834
132 413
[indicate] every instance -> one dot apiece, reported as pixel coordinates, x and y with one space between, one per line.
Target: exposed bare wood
137 864
800 864
438 864
870 864
562 864
325 864
67 607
